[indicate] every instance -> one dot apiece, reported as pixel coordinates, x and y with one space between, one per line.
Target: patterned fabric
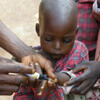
94 94
88 22
78 54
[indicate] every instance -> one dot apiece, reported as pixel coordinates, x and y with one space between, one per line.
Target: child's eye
67 41
48 39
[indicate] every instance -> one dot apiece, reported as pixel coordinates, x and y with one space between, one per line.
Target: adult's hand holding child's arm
89 77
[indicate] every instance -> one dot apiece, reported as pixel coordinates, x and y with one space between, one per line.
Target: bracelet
72 75
66 90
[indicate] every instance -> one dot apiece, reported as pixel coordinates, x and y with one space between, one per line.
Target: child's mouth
57 56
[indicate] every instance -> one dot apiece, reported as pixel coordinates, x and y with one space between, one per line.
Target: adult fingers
79 68
81 87
13 79
5 93
86 89
45 64
78 79
15 68
5 60
73 90
8 88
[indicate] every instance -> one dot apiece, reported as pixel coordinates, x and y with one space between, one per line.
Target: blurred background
20 16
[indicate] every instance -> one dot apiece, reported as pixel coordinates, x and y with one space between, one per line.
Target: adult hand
10 83
89 77
43 62
98 1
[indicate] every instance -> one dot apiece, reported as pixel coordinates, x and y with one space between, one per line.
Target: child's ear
37 28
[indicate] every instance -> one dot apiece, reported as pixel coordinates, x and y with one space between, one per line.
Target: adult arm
96 10
11 43
98 2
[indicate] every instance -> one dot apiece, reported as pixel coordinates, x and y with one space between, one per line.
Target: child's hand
52 83
46 85
31 81
43 62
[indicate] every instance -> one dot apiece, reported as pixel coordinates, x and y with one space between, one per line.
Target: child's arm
62 78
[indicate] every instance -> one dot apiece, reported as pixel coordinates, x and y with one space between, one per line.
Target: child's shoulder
79 48
79 45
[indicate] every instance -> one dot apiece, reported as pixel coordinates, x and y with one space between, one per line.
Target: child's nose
58 45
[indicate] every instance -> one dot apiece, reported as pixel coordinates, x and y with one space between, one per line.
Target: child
57 29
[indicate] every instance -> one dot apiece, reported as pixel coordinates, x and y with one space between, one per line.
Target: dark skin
56 42
98 1
89 77
17 52
10 42
11 83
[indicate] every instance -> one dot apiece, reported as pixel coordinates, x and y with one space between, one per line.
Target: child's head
57 26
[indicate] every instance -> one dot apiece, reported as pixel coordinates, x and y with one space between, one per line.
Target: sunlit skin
57 29
57 37
57 40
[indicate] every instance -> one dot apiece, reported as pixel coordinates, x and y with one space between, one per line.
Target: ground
20 16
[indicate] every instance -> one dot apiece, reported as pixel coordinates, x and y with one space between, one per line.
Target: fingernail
31 65
53 76
36 64
64 84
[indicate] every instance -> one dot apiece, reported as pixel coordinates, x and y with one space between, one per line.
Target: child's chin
56 57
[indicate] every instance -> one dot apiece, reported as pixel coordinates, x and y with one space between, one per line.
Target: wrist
62 78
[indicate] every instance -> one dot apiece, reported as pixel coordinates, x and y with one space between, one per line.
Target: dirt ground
20 16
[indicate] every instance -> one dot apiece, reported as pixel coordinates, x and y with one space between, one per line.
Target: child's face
57 38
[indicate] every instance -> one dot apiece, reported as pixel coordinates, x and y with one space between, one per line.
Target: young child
57 29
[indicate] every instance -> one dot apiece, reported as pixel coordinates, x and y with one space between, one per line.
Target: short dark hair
58 8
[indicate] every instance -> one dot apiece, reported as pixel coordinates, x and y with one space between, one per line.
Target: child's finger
38 69
44 64
52 82
26 60
33 66
42 87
